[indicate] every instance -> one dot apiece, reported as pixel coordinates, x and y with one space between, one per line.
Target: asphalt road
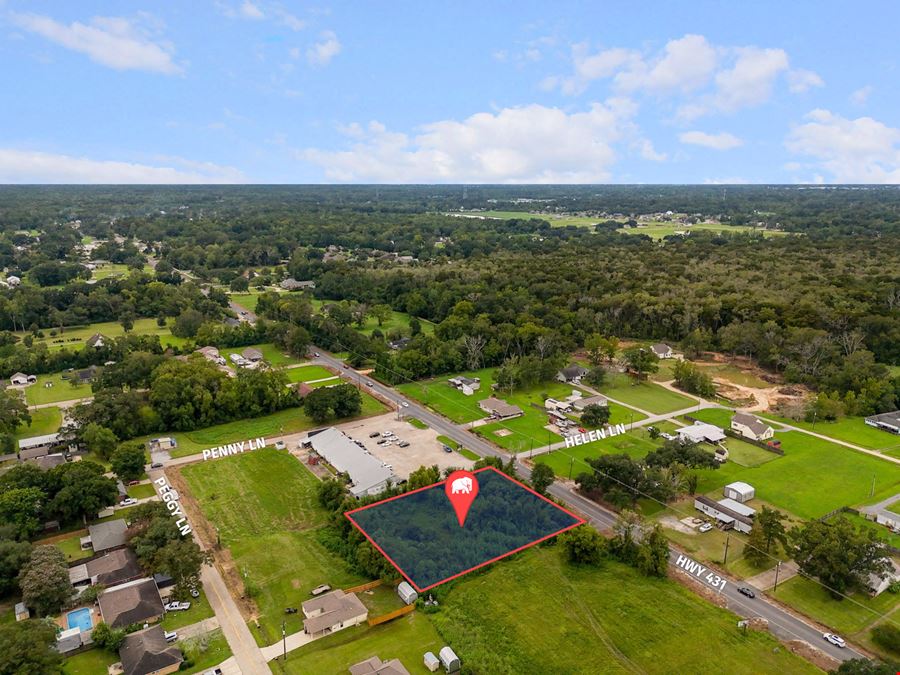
782 623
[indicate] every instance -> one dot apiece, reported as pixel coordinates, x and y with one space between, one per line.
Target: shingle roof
336 606
756 425
107 535
130 603
146 651
500 407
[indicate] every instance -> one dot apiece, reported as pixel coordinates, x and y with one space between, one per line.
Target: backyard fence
390 616
364 587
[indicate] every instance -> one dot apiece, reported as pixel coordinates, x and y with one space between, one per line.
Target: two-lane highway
782 622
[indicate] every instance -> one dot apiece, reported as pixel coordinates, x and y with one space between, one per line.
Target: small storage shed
449 660
739 491
407 593
432 662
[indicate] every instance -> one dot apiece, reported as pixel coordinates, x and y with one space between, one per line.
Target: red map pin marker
461 488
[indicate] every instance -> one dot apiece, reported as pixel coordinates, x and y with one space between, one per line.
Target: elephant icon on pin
461 486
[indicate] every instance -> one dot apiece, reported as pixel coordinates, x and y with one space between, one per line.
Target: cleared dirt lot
424 448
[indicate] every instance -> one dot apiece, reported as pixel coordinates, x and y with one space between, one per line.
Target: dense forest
819 304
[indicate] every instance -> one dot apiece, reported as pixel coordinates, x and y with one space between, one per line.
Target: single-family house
552 405
886 421
700 432
211 354
21 379
107 536
727 518
162 444
407 593
662 350
97 341
399 344
136 601
87 375
498 409
467 385
879 584
572 373
581 403
114 568
739 491
47 462
291 284
375 666
252 354
750 426
146 652
332 612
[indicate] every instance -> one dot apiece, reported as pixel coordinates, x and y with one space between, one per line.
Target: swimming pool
80 618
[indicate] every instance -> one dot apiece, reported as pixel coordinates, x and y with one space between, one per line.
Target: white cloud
686 64
290 20
321 53
730 180
23 166
115 42
528 144
750 81
645 147
862 150
861 95
800 80
720 141
250 11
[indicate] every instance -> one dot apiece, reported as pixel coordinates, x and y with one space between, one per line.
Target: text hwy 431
697 570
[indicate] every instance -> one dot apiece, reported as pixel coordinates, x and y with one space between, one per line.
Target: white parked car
705 527
176 606
836 640
130 501
279 445
387 434
170 636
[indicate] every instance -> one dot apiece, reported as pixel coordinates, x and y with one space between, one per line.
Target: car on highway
405 404
743 590
836 640
369 383
705 527
130 501
316 354
279 445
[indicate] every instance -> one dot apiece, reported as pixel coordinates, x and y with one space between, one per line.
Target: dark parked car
374 434
743 590
156 465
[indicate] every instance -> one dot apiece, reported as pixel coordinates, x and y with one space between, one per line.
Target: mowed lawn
59 390
288 421
568 619
271 354
43 421
270 527
396 321
448 401
851 430
307 373
75 336
644 395
812 478
247 300
635 444
406 638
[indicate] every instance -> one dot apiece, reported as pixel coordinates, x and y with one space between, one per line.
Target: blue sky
395 92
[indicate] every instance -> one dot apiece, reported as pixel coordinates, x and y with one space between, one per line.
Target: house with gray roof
572 373
146 651
332 612
662 350
886 421
750 426
499 409
375 666
107 536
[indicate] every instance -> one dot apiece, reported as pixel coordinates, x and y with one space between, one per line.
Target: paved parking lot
424 449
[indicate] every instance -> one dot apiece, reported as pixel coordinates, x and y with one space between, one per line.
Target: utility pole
571 464
283 641
777 569
725 557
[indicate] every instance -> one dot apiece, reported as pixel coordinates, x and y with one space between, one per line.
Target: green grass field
286 421
141 491
200 609
851 430
247 300
92 662
449 402
617 620
307 373
658 230
635 443
60 390
74 337
556 220
204 658
43 421
270 352
397 320
644 395
406 638
115 270
270 528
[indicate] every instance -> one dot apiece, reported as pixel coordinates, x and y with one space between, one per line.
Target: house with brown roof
132 602
375 666
499 409
252 354
146 652
332 612
750 426
112 569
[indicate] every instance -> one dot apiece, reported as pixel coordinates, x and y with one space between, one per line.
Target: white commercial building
368 475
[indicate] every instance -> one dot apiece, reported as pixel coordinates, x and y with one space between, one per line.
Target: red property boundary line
579 521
